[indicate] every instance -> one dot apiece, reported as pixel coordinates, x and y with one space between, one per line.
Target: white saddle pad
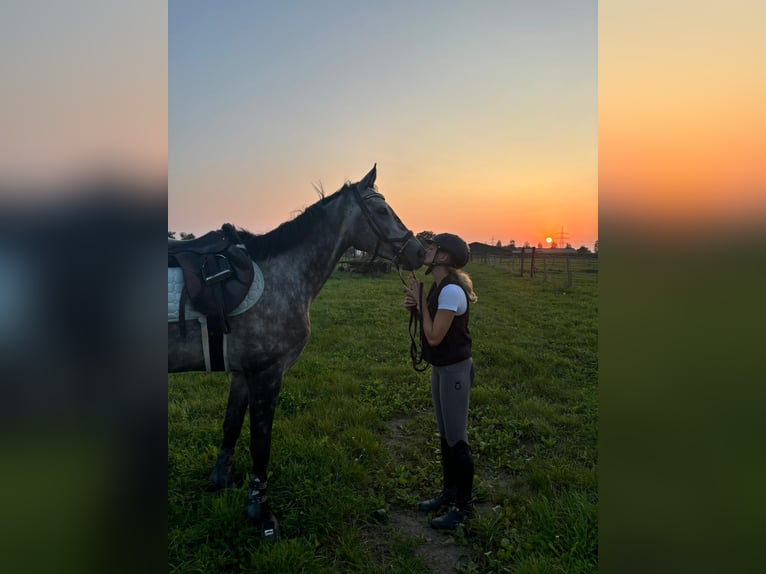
176 285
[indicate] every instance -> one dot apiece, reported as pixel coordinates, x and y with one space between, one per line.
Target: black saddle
217 274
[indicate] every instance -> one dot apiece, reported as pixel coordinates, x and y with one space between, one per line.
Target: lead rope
415 330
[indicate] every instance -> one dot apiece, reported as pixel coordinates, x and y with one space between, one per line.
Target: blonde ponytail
465 282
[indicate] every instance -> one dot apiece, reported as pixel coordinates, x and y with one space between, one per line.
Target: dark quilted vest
456 345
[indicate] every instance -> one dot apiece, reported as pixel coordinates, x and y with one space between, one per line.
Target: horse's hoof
218 481
220 477
270 529
217 486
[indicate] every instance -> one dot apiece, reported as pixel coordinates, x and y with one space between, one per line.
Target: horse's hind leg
263 396
236 408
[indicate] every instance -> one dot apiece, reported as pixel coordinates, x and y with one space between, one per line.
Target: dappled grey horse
295 259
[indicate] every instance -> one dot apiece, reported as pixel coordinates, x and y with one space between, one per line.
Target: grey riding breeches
450 392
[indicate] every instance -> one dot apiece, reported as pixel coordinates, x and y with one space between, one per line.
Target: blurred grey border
681 388
83 216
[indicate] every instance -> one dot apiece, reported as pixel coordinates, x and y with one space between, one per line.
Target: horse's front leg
236 408
263 396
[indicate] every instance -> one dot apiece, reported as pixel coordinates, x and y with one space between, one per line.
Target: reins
415 329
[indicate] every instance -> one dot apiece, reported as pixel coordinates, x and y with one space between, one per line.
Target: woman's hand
411 294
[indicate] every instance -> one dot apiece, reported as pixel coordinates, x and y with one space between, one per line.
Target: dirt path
441 552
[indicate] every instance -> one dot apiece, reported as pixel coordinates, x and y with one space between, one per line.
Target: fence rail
560 269
354 263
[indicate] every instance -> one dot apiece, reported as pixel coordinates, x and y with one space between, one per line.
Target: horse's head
378 230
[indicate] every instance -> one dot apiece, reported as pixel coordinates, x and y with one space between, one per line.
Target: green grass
339 472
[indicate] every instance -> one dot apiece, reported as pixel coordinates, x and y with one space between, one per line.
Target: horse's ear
368 180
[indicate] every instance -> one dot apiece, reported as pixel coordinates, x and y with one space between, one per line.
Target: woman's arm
435 330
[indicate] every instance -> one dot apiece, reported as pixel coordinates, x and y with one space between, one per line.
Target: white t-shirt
452 298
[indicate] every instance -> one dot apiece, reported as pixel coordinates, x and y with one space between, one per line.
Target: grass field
355 448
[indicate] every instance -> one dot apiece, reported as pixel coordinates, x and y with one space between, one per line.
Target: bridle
416 323
379 233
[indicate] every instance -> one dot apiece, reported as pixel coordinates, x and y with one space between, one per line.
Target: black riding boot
462 508
447 495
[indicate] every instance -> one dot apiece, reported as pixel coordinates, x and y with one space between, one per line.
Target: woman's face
431 252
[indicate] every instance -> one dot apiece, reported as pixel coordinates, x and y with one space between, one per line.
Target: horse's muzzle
412 255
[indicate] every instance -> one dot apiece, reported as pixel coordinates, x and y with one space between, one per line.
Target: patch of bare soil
395 426
441 552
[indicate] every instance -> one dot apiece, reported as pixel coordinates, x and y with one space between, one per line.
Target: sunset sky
482 117
681 113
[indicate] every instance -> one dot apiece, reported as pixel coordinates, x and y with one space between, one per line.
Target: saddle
217 272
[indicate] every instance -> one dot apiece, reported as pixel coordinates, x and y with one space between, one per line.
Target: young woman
447 346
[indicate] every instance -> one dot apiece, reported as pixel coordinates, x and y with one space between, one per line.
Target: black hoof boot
457 514
256 503
221 475
444 498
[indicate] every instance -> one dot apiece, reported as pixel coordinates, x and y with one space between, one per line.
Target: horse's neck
316 259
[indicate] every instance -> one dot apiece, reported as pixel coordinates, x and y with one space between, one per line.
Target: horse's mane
290 233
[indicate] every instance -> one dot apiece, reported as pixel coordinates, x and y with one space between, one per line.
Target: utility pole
562 236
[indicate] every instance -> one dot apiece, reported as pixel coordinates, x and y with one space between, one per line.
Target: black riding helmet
454 245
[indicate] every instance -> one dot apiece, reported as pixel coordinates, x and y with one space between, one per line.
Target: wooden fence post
532 263
521 270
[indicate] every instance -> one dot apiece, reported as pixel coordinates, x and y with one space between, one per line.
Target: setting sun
549 240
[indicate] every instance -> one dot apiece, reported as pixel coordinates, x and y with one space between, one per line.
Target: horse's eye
381 211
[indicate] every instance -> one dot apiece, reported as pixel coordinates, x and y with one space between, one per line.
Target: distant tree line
511 245
183 234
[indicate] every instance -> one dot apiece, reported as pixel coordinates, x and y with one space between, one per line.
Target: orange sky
502 205
682 121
